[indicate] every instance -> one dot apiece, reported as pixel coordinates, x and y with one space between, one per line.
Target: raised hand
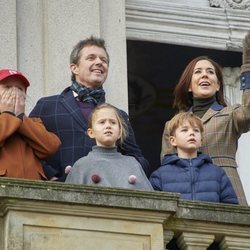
8 100
20 101
246 53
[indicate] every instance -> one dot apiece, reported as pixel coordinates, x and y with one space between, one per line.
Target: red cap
5 73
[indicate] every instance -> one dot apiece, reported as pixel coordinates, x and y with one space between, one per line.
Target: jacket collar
216 106
68 101
213 110
196 162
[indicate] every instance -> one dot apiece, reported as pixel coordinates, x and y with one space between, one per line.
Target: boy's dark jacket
194 179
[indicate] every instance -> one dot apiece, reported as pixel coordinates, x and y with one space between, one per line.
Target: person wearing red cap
24 141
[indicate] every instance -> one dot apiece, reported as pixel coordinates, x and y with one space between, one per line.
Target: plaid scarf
88 95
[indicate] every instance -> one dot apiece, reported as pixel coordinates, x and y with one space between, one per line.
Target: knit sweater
107 167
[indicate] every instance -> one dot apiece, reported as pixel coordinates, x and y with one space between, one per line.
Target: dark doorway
153 71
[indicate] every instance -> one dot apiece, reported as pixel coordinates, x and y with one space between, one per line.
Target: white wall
243 159
37 37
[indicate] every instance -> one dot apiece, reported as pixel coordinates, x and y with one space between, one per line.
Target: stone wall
56 216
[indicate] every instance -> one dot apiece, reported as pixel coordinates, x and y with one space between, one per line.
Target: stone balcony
37 215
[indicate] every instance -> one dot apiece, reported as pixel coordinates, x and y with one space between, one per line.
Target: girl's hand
8 100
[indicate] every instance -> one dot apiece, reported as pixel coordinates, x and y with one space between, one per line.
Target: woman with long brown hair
200 90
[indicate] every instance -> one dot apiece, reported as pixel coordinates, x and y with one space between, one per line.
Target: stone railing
51 216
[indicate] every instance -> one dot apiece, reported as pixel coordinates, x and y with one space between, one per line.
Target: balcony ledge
35 213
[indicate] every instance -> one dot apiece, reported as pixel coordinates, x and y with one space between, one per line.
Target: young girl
103 165
24 141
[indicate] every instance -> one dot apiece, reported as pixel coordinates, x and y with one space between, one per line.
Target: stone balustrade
37 215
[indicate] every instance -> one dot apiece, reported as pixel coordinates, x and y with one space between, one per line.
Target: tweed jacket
194 179
22 144
112 168
62 115
223 126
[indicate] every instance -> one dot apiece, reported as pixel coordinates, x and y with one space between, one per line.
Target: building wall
38 36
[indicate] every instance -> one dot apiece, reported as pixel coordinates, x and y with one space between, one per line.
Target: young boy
190 173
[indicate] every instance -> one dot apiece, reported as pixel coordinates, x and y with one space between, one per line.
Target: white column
231 243
37 37
31 52
113 30
8 34
195 241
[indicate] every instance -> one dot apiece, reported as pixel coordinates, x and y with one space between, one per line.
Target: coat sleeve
9 124
43 142
227 193
241 113
155 180
49 170
130 147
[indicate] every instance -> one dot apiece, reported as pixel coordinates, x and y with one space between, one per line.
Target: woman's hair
183 99
122 124
179 119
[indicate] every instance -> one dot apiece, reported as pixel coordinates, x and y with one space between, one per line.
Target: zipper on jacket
192 178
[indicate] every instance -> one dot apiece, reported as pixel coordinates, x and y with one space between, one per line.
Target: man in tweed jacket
223 125
66 114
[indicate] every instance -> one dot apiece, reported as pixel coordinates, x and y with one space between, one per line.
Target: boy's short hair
180 119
